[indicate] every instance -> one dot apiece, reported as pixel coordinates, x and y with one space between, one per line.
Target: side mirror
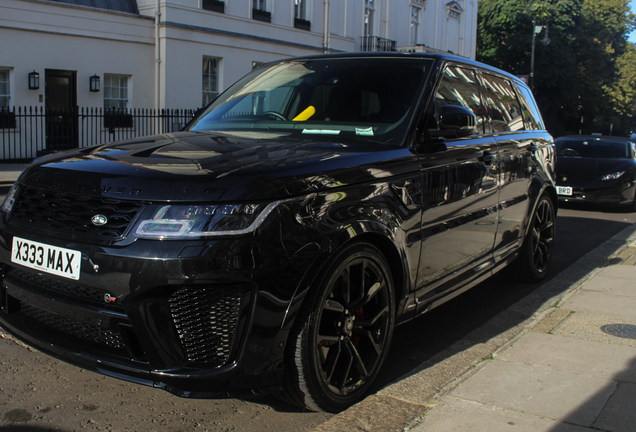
454 122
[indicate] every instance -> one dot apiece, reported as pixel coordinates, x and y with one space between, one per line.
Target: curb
401 406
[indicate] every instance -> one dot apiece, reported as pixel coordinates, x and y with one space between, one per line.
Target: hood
213 166
580 171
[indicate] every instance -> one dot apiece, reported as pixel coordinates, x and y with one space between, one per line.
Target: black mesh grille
68 289
206 320
68 328
604 196
73 213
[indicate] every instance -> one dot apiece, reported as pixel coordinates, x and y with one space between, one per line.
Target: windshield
371 99
593 148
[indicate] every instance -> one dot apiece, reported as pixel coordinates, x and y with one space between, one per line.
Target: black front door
61 110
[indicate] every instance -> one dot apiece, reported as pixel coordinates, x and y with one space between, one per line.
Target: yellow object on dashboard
306 114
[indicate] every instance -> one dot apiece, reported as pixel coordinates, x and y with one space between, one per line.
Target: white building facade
126 54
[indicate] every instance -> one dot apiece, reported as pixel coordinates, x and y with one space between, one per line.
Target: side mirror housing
454 122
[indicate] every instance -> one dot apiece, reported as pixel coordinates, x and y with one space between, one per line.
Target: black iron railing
29 132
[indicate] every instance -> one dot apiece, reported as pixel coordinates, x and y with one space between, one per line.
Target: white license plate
46 258
564 190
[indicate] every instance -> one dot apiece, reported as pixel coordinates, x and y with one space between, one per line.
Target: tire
536 251
632 206
343 332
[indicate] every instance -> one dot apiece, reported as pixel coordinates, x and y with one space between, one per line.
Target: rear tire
536 251
343 332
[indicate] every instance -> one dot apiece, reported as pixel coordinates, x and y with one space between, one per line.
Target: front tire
343 333
536 251
632 206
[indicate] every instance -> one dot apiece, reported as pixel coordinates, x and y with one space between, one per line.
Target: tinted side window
460 87
530 111
502 105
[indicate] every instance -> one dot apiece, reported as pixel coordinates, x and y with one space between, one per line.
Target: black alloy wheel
536 253
344 333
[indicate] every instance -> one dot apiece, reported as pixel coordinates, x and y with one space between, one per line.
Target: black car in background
274 245
596 169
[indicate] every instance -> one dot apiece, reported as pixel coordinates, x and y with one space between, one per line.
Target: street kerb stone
500 329
609 248
377 413
421 387
552 319
628 235
579 272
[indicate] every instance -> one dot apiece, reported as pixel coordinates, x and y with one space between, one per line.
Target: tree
587 71
623 89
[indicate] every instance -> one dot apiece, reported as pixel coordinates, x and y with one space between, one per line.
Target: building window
300 9
300 15
369 17
210 79
260 12
5 89
213 5
7 118
115 92
454 10
415 25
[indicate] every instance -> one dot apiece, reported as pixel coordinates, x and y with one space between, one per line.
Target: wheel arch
541 188
379 238
390 251
299 383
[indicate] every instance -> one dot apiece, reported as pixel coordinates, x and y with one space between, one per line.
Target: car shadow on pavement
492 311
25 428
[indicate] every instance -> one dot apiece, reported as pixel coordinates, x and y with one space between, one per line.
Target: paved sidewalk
570 366
9 172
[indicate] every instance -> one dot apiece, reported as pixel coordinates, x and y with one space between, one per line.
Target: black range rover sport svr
275 243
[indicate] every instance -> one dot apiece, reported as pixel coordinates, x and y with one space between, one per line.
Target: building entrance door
61 110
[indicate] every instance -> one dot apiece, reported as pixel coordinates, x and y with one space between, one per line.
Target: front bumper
611 196
204 319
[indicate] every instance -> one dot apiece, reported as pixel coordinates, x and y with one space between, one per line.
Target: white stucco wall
51 35
38 36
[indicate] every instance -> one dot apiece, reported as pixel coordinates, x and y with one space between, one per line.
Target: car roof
405 55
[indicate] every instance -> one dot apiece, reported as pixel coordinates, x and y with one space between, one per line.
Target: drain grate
626 331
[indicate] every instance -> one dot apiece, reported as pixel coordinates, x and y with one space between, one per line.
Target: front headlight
613 176
172 221
9 200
